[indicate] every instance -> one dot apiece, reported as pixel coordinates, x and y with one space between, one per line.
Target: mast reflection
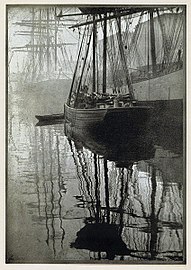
127 201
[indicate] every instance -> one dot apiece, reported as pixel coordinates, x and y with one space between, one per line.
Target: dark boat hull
108 120
50 117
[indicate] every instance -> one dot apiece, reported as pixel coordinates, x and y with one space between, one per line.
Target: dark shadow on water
101 234
101 237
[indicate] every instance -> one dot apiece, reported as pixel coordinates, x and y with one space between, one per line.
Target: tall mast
32 39
48 42
55 42
40 40
94 53
153 50
148 47
104 53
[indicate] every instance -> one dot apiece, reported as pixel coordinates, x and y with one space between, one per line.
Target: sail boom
101 19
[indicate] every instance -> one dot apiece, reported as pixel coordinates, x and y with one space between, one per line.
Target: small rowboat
50 117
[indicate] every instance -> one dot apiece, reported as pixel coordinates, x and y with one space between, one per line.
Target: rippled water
69 202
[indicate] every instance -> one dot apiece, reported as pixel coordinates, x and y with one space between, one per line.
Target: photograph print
95 140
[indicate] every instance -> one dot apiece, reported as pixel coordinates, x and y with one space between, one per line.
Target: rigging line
171 37
136 55
71 33
112 42
111 60
116 52
122 56
127 38
97 73
136 33
84 48
110 55
135 42
164 39
177 39
146 46
116 61
87 73
76 68
86 70
174 24
69 62
161 49
85 59
124 64
136 47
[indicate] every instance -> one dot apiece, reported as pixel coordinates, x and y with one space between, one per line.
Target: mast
40 38
152 36
104 53
55 42
32 42
94 53
48 43
148 48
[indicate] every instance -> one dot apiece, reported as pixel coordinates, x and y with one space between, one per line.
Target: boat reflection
134 213
124 149
87 197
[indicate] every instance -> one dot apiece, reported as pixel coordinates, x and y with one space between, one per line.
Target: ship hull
167 87
167 112
107 122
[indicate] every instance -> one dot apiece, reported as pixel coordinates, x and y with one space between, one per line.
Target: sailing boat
130 60
91 102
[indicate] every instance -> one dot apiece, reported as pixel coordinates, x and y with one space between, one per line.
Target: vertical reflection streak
37 172
87 181
80 176
44 185
121 204
52 197
106 190
59 192
97 194
153 219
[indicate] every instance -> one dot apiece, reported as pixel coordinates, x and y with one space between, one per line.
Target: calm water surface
66 203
